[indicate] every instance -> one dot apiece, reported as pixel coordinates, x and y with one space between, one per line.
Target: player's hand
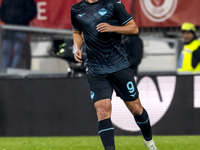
104 27
78 56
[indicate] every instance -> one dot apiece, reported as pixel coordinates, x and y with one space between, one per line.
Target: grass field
93 143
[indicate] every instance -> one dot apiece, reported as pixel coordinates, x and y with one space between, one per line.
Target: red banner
53 14
166 13
148 13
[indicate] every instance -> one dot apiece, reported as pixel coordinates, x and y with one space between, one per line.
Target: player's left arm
129 28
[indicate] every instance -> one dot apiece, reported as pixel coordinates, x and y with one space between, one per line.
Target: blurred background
44 92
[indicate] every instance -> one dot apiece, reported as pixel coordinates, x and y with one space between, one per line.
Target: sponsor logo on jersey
158 10
102 11
81 15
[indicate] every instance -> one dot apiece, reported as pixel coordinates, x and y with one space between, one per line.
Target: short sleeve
74 22
120 12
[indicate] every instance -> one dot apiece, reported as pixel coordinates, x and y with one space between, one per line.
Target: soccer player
102 23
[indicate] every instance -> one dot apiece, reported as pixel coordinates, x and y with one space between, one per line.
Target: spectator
134 48
15 12
189 61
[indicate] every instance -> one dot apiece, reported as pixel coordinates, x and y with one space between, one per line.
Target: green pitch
93 143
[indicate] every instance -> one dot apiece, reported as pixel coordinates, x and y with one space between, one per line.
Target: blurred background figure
189 61
15 12
134 48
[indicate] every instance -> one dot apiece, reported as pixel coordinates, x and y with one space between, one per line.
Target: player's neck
91 1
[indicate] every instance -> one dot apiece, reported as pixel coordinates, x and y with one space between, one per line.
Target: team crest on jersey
102 11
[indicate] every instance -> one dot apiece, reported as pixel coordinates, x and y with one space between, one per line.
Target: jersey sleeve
197 54
120 12
74 22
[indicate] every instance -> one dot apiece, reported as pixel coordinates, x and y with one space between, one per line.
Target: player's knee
103 113
136 110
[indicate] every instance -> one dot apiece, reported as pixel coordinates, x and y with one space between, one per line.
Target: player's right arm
77 35
78 42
